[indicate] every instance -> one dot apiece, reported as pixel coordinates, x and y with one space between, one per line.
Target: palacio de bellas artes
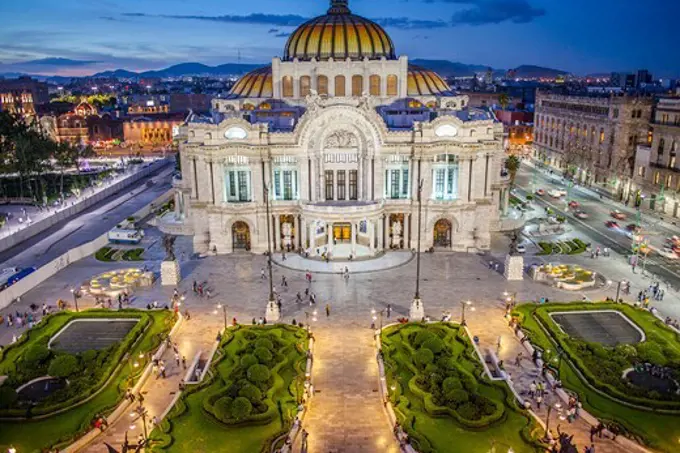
341 135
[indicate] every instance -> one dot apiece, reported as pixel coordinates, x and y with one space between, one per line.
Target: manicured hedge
228 382
451 387
596 370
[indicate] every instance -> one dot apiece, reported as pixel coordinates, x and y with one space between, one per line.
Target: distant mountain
531 71
184 69
447 68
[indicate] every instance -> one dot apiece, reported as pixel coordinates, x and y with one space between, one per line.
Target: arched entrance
442 233
240 234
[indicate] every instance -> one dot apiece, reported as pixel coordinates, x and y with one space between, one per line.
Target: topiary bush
258 373
424 357
264 343
241 408
263 355
63 366
247 360
8 396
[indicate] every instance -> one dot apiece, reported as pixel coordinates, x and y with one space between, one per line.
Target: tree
66 156
512 164
63 366
503 100
241 408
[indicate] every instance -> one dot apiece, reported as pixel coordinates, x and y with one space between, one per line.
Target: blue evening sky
582 36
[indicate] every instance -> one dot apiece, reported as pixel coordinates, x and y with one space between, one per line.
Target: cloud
282 35
61 62
293 20
484 12
282 20
273 30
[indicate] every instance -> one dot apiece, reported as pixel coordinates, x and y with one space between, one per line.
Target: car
555 193
669 253
581 214
520 248
611 224
540 192
574 204
618 215
633 228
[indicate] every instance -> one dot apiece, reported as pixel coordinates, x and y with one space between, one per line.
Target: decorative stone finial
339 7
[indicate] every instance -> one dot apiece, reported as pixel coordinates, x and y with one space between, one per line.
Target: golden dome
255 84
339 35
422 81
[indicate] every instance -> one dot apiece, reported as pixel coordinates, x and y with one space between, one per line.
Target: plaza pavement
346 410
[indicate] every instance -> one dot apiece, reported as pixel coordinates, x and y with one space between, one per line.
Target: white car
668 253
520 248
556 193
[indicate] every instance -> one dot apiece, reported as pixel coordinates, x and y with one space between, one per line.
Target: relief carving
341 139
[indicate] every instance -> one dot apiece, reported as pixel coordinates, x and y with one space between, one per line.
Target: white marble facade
343 176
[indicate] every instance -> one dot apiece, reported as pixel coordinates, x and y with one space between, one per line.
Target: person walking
262 274
389 310
177 359
284 283
532 389
184 362
539 400
328 310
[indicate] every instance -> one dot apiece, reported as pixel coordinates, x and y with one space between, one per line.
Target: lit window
287 86
392 85
322 84
340 85
357 85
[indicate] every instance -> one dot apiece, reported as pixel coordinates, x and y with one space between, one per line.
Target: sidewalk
346 414
489 329
388 260
193 336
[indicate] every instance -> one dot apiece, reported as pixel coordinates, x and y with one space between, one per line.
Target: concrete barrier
21 235
43 273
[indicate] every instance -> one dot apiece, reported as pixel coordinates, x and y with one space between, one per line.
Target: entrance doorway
442 233
342 232
240 233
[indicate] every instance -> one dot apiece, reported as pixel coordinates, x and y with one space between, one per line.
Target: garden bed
567 247
96 379
110 254
596 372
443 399
248 399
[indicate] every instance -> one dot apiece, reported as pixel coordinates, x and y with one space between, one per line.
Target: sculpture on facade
514 241
342 139
396 234
169 245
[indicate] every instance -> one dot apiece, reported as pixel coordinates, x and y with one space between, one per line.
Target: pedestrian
140 398
532 389
284 283
162 368
298 298
389 310
539 400
262 274
518 360
194 286
184 362
328 310
346 273
177 359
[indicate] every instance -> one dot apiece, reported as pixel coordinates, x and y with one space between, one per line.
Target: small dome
255 84
422 81
339 35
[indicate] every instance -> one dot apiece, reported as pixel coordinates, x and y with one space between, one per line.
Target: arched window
322 84
374 85
392 85
305 85
287 86
357 85
340 86
473 133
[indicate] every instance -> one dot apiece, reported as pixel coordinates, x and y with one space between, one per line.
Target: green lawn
657 430
431 418
35 435
192 425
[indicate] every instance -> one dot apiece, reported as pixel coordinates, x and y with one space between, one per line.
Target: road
89 224
599 212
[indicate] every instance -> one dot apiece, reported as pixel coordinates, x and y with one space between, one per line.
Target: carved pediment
341 139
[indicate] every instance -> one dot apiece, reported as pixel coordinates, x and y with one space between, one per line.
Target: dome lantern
340 35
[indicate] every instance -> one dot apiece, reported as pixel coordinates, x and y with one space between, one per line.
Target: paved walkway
346 414
489 327
388 260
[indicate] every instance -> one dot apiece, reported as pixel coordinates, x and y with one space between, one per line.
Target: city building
151 131
519 130
657 170
24 84
335 141
483 99
18 102
593 138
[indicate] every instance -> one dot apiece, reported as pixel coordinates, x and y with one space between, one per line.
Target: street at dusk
339 226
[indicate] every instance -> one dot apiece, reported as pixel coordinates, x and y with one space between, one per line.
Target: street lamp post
272 313
307 315
75 298
463 304
141 410
224 312
417 311
557 407
380 314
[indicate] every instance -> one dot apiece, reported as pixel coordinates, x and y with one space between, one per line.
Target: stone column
296 235
177 204
353 233
464 179
386 231
303 233
371 235
312 238
360 179
276 243
378 224
329 232
506 201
